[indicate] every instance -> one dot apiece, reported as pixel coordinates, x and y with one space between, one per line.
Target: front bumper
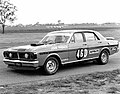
22 65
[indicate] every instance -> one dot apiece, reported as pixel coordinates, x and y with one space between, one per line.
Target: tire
103 58
51 66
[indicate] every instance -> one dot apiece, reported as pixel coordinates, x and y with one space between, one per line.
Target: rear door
77 47
93 43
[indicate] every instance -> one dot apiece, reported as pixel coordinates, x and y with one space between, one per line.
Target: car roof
71 31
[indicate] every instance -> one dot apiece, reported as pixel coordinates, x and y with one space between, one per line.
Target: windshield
55 38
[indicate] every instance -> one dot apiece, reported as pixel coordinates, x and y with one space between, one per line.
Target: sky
68 11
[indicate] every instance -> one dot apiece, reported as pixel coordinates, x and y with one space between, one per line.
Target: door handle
100 42
84 44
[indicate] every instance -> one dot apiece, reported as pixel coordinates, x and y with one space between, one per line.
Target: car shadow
28 72
63 68
77 65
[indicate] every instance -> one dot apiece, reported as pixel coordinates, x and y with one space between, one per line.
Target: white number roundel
85 52
81 53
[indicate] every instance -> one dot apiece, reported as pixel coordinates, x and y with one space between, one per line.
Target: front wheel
51 66
103 58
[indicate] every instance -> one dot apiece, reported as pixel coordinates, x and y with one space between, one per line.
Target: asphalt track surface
10 76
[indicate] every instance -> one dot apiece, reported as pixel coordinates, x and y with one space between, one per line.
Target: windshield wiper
48 42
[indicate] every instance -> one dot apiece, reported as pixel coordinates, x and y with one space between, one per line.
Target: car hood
29 48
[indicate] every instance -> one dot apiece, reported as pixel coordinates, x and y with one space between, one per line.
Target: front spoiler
22 65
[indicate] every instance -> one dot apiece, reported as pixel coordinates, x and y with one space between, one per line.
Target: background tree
59 21
7 12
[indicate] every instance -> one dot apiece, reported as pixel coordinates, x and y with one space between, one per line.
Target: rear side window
90 37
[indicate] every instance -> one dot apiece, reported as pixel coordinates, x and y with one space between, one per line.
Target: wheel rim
104 57
51 66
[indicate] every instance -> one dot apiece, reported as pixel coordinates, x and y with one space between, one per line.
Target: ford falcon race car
61 47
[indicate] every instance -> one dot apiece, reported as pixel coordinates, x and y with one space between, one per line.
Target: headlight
10 55
26 55
5 54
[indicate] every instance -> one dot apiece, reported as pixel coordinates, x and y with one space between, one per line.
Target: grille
14 55
11 55
19 55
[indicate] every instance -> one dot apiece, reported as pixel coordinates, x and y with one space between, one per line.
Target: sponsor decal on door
94 51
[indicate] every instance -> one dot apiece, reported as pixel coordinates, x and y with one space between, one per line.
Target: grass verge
107 82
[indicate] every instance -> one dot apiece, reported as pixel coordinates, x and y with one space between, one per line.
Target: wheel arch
54 55
105 48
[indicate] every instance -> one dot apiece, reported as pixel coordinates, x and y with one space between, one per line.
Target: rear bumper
22 65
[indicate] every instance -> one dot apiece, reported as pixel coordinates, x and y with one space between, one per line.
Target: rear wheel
51 65
103 58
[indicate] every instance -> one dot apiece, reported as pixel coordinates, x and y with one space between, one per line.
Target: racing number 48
81 53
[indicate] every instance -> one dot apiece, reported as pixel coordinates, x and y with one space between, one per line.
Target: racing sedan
59 48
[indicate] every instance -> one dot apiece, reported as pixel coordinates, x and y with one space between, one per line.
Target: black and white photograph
59 47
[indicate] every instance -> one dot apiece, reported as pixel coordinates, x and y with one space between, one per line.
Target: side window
60 39
78 37
90 37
